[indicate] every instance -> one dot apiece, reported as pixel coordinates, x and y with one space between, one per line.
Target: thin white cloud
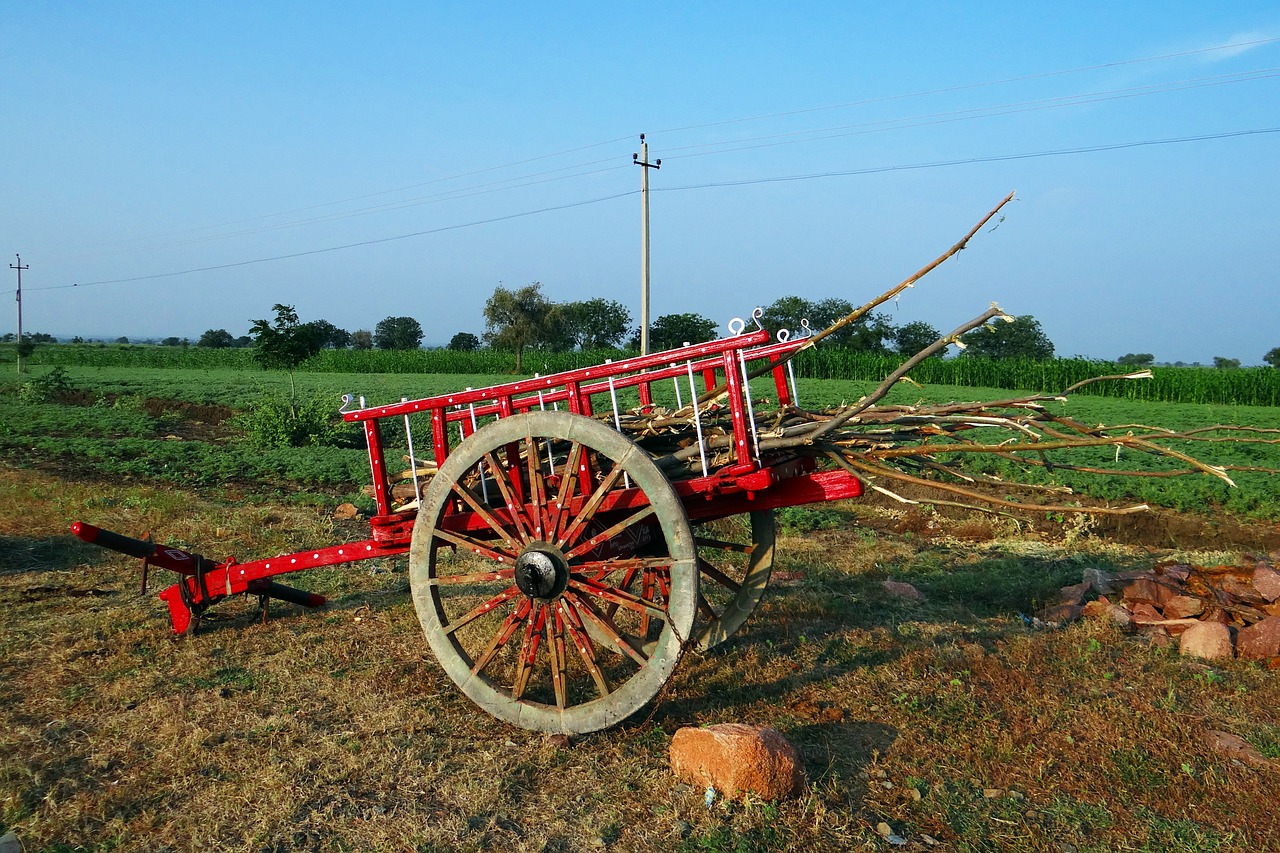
1235 45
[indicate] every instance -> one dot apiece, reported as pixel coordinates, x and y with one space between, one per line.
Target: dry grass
332 730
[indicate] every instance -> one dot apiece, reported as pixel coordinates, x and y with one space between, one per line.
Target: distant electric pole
642 160
19 267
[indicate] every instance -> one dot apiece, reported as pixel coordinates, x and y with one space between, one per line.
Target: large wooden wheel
735 559
544 538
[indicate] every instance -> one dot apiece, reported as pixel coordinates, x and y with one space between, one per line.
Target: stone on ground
1261 640
735 759
1208 640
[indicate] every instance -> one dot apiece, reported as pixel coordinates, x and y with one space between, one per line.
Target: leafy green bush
42 389
273 422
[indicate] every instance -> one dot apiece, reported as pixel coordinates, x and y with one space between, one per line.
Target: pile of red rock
1212 611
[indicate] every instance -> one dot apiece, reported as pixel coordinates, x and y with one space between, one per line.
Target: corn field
1248 386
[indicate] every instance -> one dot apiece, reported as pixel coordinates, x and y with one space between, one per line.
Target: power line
396 190
998 158
713 185
447 195
885 125
303 254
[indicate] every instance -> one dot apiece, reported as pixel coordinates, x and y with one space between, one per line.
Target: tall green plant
285 344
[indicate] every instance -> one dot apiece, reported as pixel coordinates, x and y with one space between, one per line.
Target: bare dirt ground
953 720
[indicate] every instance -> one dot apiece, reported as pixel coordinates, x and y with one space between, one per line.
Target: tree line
521 319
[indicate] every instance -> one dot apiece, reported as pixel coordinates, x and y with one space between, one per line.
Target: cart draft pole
19 267
642 160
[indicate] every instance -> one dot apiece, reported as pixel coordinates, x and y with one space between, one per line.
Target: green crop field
119 436
955 720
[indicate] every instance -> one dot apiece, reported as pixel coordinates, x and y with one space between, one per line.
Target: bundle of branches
934 445
930 445
926 444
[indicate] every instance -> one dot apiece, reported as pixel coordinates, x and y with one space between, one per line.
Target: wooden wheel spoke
589 509
718 576
502 635
582 642
555 652
475 545
473 500
475 577
620 598
482 609
705 608
739 547
598 570
604 536
538 509
568 482
508 496
528 650
610 630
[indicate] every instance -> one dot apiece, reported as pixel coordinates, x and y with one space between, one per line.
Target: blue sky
250 141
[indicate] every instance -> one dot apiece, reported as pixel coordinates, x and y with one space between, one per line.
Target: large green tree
911 338
1136 359
216 338
1272 357
869 332
596 323
464 342
674 330
1020 337
397 333
518 319
331 337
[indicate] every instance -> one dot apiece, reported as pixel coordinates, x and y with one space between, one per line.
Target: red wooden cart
557 571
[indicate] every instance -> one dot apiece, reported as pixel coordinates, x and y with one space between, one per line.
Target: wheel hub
542 572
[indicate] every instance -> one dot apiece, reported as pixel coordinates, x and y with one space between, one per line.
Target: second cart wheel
544 537
735 559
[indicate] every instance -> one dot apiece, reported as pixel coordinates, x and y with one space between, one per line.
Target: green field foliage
1250 386
116 436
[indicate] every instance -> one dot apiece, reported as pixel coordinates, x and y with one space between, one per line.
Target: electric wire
996 158
1089 149
883 125
1241 45
373 242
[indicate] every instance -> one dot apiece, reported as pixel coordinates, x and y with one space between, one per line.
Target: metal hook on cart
737 325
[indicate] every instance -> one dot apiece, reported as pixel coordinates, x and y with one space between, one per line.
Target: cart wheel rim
734 566
510 563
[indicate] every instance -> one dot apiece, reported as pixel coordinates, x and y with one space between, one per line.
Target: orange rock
1234 746
1183 606
1062 613
1261 640
735 758
1267 581
1145 613
1208 640
1143 589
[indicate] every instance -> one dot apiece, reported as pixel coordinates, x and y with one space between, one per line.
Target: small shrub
42 389
273 422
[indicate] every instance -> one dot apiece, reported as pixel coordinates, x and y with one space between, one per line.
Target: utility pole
19 267
642 160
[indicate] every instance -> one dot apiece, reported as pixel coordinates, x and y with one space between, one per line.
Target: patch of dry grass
333 730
